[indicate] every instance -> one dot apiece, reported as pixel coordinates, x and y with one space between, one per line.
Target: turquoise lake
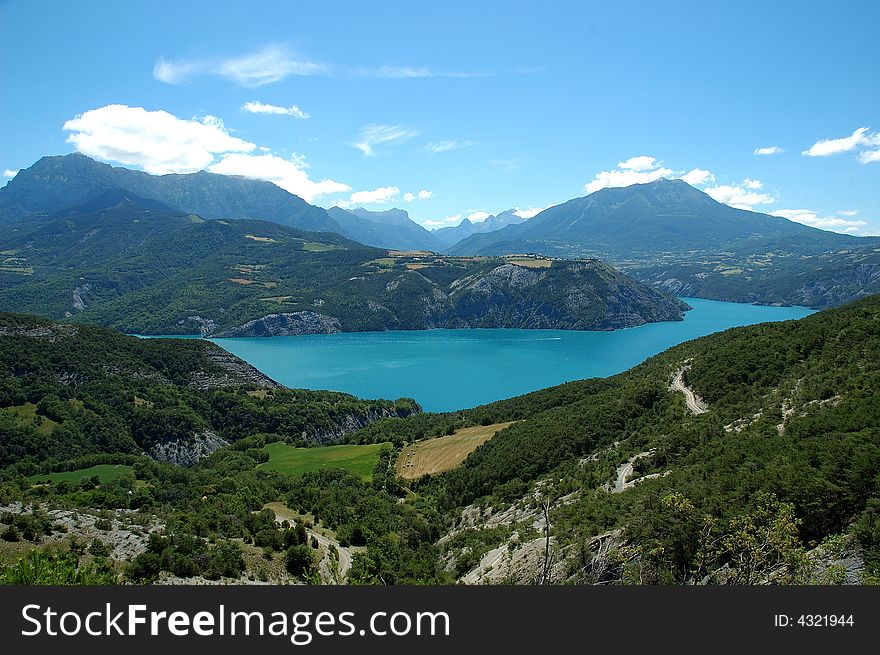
454 369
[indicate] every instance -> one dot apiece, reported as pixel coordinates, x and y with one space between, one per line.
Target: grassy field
529 262
104 473
431 456
317 246
27 415
296 461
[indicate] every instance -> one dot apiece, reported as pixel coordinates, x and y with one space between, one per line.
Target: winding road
694 403
284 513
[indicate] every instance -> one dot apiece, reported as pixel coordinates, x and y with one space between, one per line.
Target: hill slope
774 478
786 455
140 268
107 393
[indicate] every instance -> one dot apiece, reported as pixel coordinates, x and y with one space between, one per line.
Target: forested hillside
125 262
748 456
71 393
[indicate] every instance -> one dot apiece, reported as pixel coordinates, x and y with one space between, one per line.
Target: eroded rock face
354 422
283 325
188 452
238 374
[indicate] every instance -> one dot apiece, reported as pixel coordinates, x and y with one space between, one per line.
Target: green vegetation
73 397
102 264
49 568
315 246
781 473
283 458
102 472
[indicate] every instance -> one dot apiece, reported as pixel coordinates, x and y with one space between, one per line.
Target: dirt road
694 403
284 513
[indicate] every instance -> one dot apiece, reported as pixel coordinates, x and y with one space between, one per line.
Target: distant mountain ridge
61 182
452 235
392 229
644 220
139 267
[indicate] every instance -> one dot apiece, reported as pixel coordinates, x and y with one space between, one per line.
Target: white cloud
849 212
424 194
529 212
271 64
860 138
640 163
9 173
643 169
402 72
636 170
811 218
156 141
698 176
161 143
769 150
289 174
258 107
478 216
375 135
448 221
380 196
445 146
741 196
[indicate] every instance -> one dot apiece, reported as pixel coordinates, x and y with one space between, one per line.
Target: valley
538 416
562 464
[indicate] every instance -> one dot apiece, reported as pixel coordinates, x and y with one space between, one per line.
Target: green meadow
296 461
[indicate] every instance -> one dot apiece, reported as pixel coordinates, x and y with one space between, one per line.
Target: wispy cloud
769 150
276 62
860 138
377 135
257 107
436 147
9 173
813 219
506 165
271 64
402 72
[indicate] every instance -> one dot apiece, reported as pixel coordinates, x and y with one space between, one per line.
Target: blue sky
459 109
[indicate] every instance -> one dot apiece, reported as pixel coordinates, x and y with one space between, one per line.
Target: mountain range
665 233
392 229
136 265
452 235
